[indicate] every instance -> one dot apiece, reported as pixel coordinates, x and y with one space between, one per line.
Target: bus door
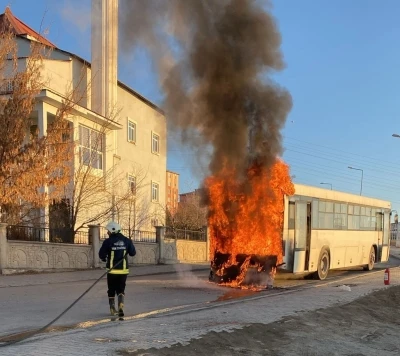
302 236
379 229
383 226
384 242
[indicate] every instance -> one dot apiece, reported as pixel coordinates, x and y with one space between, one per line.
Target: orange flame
247 217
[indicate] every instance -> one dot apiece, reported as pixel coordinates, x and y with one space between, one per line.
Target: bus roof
327 194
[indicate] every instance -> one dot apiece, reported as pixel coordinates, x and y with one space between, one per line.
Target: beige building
172 197
131 130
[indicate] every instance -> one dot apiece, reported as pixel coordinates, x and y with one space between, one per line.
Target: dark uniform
115 251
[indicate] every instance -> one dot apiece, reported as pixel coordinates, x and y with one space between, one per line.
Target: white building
134 145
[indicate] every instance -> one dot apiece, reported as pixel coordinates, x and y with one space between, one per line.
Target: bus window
364 223
354 222
325 220
367 222
373 223
351 209
325 215
379 221
340 219
329 207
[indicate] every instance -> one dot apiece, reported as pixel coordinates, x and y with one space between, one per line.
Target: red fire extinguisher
386 277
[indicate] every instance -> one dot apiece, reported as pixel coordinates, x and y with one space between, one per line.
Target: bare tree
33 168
135 209
90 195
191 213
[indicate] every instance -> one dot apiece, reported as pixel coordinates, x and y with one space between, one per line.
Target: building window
131 131
34 131
91 147
132 183
154 191
155 143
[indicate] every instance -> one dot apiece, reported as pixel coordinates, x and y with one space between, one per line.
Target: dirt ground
367 326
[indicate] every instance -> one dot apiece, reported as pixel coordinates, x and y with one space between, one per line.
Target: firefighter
114 252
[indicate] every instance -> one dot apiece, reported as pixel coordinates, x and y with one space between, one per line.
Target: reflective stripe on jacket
116 249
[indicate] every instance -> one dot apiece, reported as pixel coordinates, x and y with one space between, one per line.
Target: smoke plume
214 59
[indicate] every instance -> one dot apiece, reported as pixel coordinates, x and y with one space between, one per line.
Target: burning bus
246 219
297 228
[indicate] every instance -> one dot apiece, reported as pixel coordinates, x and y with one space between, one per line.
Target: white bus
326 229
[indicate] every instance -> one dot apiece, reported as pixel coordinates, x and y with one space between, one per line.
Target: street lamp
327 184
362 175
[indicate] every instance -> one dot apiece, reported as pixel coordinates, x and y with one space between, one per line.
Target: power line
303 157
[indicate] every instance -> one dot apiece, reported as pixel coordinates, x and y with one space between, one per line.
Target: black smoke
214 59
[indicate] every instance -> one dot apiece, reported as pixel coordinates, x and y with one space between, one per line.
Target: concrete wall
146 253
23 256
191 251
173 251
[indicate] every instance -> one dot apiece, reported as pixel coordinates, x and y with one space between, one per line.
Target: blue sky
342 71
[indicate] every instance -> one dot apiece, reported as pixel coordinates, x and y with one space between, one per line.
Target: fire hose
44 328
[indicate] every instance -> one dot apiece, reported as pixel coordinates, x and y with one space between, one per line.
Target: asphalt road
31 307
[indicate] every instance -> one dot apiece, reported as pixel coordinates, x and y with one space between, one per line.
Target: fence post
207 243
94 240
3 247
160 234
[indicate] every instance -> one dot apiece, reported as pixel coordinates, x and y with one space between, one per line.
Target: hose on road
28 334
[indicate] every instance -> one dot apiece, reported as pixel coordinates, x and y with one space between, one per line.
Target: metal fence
44 234
183 234
134 235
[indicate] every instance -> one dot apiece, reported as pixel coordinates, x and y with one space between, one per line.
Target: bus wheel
323 265
371 260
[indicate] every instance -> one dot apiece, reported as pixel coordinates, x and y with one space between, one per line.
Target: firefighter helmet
113 228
